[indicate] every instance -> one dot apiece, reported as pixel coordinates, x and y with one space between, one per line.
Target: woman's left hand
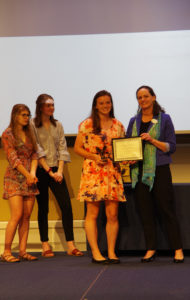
58 177
146 137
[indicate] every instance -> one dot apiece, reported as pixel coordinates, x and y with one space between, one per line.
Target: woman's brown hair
94 112
39 104
156 106
16 110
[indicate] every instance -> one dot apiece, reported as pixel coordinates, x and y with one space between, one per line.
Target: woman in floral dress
19 180
101 178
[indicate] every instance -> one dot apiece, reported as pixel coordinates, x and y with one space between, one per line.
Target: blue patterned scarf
149 156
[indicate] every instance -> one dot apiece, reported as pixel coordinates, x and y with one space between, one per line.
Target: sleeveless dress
22 153
100 183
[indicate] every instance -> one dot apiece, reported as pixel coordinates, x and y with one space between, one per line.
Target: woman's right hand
31 179
99 160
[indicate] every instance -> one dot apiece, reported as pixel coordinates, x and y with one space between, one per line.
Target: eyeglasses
48 104
25 115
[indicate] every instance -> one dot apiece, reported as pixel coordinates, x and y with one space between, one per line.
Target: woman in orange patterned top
101 178
19 180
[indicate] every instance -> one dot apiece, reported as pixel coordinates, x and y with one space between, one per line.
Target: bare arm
61 166
79 149
58 176
30 178
45 166
13 158
34 165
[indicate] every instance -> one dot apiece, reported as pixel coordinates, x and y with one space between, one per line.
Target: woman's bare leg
112 227
16 210
91 229
23 229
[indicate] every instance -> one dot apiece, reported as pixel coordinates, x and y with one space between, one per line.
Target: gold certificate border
122 153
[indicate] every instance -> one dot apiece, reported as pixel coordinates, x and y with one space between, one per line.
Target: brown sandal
28 257
75 252
48 253
9 258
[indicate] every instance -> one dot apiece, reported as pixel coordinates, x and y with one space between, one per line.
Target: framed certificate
127 149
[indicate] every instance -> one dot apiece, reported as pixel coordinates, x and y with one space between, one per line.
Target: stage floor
76 278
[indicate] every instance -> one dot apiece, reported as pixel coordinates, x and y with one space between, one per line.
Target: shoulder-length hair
16 110
94 112
156 106
38 114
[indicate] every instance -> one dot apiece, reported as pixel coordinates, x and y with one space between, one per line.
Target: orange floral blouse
22 153
100 183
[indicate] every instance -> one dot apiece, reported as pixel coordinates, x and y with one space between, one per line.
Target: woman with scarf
151 178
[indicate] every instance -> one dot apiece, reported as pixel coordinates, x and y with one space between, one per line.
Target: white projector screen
73 68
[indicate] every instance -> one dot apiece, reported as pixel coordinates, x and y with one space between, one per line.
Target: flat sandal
27 257
9 258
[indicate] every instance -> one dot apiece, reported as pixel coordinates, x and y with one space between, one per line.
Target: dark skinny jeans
61 194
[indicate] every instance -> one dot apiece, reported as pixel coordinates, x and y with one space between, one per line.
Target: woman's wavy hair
16 110
38 114
94 112
156 106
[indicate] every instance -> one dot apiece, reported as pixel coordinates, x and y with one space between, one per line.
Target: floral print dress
100 183
20 153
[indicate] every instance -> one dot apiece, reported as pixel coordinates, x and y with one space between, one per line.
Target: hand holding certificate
126 149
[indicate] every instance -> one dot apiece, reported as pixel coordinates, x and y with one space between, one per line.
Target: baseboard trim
56 236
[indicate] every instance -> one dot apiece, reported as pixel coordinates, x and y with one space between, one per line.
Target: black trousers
159 201
61 194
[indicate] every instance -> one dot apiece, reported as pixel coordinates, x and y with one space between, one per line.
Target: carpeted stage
76 278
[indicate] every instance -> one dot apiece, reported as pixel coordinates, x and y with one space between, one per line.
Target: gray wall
60 17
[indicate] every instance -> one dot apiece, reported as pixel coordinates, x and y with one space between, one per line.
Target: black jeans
160 200
61 194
